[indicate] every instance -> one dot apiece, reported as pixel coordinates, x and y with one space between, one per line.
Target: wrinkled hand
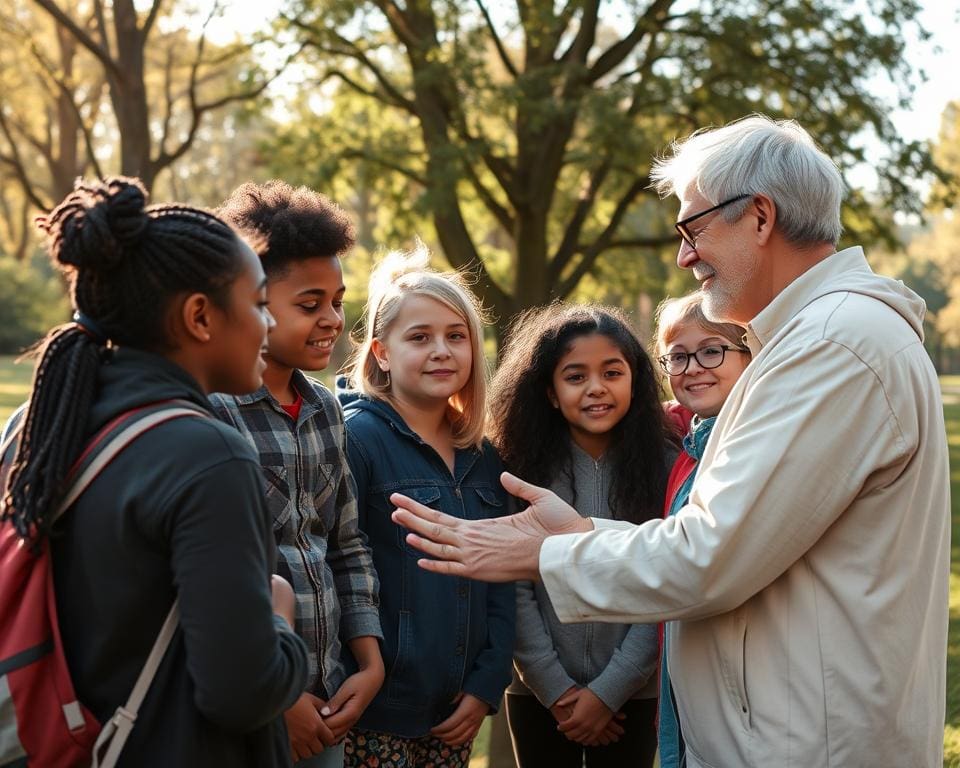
501 549
347 704
305 727
592 722
462 726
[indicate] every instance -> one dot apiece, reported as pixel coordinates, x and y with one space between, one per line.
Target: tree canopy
523 131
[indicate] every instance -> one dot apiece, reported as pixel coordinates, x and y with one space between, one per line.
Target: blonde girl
415 425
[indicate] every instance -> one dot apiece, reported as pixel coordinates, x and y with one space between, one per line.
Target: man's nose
686 256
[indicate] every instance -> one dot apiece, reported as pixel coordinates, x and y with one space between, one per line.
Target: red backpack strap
117 435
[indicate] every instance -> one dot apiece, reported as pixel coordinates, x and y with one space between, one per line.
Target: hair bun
99 223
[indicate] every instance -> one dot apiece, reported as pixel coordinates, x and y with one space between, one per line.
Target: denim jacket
441 635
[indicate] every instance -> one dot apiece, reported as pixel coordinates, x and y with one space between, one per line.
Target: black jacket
179 512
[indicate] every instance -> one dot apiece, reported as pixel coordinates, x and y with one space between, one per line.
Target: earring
388 377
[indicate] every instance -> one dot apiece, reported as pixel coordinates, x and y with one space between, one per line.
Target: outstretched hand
500 549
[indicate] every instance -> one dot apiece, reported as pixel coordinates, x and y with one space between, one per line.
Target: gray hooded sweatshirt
617 662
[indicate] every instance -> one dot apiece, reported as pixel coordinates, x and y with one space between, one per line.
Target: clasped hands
582 717
498 549
314 724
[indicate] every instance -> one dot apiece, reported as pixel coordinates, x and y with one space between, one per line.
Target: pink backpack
42 724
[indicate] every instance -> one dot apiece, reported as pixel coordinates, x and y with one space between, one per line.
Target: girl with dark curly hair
575 407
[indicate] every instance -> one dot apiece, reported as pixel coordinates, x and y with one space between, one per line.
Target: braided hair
124 262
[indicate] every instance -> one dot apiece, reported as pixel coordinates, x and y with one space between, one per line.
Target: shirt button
464 590
459 650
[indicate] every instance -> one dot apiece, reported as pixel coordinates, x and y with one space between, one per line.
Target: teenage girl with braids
575 407
179 513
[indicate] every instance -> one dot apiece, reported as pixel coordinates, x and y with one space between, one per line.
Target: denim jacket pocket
491 503
428 496
277 493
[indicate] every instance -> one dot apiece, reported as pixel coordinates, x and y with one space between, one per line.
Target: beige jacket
809 572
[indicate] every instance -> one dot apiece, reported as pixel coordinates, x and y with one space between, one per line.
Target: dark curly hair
124 262
533 437
286 225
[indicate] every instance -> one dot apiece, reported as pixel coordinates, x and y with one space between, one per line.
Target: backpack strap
117 729
101 450
114 437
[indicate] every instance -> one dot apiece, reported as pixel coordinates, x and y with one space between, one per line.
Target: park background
513 137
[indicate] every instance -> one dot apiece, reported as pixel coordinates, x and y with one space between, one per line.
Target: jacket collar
300 382
384 410
134 377
792 299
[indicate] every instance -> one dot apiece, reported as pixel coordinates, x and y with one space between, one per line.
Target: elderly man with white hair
806 582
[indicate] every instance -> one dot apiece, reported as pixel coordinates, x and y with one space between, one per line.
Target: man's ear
766 211
197 318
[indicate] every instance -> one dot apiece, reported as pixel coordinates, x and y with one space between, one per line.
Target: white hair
758 155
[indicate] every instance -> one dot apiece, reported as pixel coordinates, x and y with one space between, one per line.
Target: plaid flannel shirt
310 493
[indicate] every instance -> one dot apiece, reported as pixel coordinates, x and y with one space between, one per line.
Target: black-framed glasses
709 357
683 227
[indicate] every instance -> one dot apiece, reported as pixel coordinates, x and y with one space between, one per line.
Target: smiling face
591 386
427 351
725 261
307 302
704 391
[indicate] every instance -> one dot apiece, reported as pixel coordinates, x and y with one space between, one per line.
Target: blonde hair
398 275
674 313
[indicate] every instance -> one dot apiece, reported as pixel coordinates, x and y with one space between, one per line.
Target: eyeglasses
683 227
709 357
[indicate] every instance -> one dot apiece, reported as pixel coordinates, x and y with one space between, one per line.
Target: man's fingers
439 550
447 568
521 488
423 512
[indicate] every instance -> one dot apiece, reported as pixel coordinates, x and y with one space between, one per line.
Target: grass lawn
15 384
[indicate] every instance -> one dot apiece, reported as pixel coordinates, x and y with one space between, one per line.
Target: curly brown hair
285 224
533 437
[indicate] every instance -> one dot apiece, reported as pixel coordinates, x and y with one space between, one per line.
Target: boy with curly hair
296 425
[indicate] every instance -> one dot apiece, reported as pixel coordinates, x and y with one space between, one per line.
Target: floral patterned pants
375 749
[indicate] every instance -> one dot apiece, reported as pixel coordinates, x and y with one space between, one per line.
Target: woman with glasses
702 360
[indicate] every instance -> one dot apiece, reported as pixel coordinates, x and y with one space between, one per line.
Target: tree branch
151 18
168 99
571 235
501 214
504 56
651 21
360 154
355 52
15 161
81 36
398 22
641 242
591 252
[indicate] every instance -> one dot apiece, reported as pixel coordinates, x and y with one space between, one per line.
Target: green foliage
528 127
32 300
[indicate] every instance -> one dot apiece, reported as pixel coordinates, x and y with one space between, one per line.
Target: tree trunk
129 95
